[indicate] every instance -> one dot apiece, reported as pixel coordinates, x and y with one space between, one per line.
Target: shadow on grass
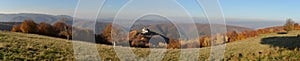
288 42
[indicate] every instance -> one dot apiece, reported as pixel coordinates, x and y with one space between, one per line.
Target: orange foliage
107 33
297 27
45 29
28 26
232 36
16 28
140 41
205 41
59 26
174 44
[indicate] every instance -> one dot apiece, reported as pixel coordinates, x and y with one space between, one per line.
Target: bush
232 36
45 29
59 26
205 41
107 33
28 26
16 28
174 44
297 27
62 30
140 41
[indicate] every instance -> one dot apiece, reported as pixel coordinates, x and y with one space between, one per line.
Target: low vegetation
62 30
262 44
20 46
59 29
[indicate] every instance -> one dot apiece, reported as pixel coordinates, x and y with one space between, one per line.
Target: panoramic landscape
115 30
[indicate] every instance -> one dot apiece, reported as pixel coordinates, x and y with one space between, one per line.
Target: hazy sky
238 9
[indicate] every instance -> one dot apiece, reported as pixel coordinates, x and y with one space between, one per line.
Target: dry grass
19 46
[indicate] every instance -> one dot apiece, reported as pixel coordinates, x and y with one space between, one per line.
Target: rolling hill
166 29
171 31
272 46
35 17
163 27
8 25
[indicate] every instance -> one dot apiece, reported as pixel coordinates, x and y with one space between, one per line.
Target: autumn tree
59 26
241 36
16 28
297 27
252 33
28 26
174 44
140 41
67 32
289 25
232 36
62 29
205 41
132 34
107 33
45 29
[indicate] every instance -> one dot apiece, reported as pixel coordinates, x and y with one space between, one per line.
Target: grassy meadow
266 47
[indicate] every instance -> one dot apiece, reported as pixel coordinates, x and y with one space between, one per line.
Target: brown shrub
174 44
232 36
241 36
59 26
297 27
67 33
140 41
252 34
132 34
107 33
62 30
205 41
16 28
45 29
28 26
190 44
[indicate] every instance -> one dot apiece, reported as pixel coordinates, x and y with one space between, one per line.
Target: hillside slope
20 46
7 26
34 16
170 30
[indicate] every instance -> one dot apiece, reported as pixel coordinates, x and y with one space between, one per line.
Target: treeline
205 41
63 30
58 29
232 36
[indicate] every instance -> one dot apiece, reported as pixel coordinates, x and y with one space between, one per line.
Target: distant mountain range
170 30
163 27
254 24
35 17
8 25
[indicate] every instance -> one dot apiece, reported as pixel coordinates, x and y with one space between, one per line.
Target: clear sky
237 9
